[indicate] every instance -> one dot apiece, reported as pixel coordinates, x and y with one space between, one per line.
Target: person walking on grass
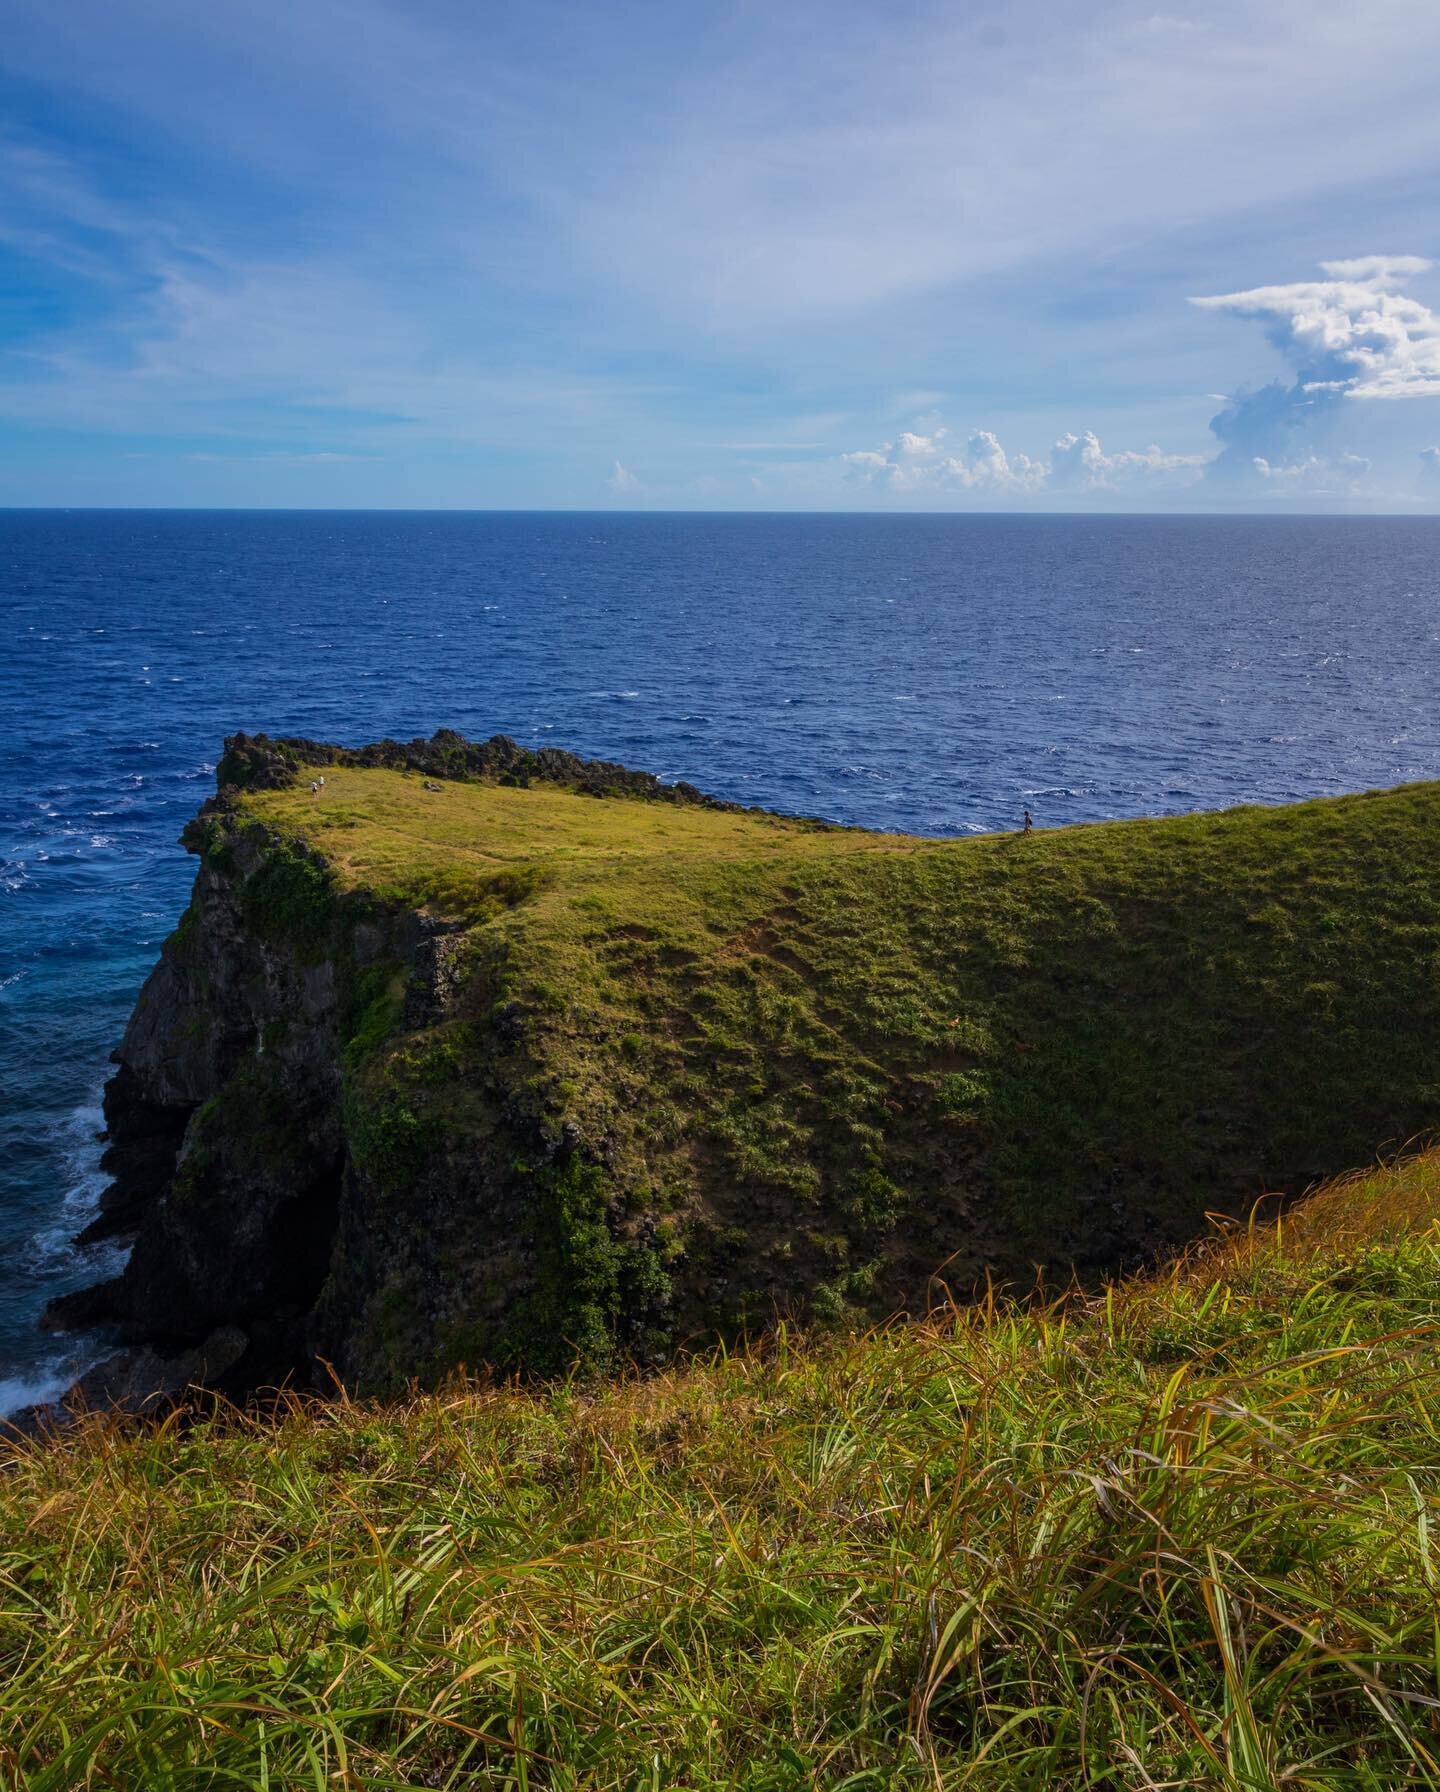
1028 824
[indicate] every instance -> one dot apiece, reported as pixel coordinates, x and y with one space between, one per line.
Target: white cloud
914 462
985 463
1078 463
1355 334
1340 475
622 481
1430 462
1378 270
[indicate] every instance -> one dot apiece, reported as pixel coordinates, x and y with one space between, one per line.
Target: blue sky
780 255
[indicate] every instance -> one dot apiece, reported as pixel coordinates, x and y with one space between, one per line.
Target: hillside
485 1057
1181 1534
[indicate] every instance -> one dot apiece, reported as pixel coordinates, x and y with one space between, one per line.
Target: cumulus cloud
1077 463
914 462
1319 475
1354 333
1262 425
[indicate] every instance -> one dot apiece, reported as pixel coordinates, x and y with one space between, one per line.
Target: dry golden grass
1179 1535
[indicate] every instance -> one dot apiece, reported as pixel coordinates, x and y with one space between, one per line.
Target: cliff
479 1056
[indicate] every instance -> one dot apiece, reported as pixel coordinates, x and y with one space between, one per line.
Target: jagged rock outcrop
144 1139
256 762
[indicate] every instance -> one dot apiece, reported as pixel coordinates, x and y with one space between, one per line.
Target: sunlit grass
381 828
850 1057
1180 1534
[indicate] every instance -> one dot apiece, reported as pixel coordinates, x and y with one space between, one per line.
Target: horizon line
1252 514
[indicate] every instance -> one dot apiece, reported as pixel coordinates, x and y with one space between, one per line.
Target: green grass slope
1181 1534
792 1068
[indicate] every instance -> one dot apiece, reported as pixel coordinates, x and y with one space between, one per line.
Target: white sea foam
45 1382
52 1246
38 1389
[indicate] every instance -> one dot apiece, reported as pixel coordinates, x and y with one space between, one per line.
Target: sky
783 256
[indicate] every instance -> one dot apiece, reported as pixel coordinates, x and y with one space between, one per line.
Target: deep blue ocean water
924 673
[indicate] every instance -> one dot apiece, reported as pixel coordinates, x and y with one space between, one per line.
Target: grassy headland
1179 1534
810 1065
542 1072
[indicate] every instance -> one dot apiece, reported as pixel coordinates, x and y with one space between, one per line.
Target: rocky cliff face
225 1125
293 1219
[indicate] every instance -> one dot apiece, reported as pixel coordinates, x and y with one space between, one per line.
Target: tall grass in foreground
1182 1535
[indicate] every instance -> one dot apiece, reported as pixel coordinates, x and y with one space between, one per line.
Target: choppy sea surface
926 673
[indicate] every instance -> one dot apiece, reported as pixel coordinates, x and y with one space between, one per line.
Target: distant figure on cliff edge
314 787
1029 824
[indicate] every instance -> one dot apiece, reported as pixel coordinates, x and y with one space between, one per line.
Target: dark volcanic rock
142 1380
226 1138
256 762
84 1309
144 1140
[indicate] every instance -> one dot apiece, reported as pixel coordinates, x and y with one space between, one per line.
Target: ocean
929 673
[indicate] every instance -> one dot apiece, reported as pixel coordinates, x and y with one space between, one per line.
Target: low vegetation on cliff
1177 1534
739 1065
